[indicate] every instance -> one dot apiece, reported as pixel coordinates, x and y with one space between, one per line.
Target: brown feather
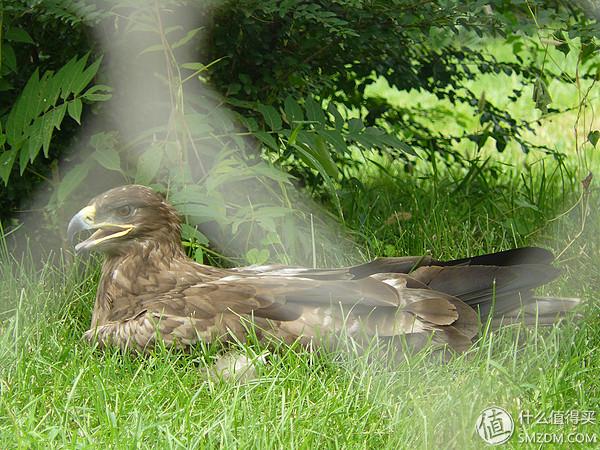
437 311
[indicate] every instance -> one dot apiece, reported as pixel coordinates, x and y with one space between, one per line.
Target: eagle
150 291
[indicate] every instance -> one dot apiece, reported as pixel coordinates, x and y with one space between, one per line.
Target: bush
295 75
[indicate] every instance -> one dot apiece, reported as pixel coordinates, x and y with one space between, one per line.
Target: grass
58 392
55 391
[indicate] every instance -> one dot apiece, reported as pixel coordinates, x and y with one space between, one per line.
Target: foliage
194 152
296 75
333 50
314 138
45 38
41 108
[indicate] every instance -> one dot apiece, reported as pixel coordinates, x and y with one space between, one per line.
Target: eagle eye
124 211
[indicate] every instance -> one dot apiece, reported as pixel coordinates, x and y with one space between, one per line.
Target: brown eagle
149 288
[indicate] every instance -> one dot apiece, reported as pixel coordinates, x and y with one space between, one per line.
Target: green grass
58 392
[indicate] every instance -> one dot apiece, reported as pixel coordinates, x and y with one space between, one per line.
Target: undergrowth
56 391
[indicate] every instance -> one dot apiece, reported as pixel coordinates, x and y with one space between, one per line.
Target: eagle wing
379 265
290 308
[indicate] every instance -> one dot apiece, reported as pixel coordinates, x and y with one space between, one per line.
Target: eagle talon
236 367
88 336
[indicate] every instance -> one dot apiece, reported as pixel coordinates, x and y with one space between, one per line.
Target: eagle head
123 217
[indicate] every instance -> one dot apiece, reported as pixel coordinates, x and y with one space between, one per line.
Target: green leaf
7 159
34 143
72 72
239 103
293 111
248 122
169 30
105 153
148 164
199 124
314 111
376 137
9 58
74 108
308 138
256 256
71 181
152 48
21 115
52 88
404 147
184 40
337 117
85 77
273 238
199 255
58 115
500 142
63 80
383 139
593 137
204 213
265 216
24 157
321 152
264 170
294 134
266 139
524 203
313 162
355 126
271 116
51 120
197 66
190 233
92 96
563 45
231 170
5 85
335 138
108 158
45 97
187 194
480 139
541 95
15 34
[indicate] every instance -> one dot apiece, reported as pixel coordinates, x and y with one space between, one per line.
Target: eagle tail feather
498 291
512 257
537 311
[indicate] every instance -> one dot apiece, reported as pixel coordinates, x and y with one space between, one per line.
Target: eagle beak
84 220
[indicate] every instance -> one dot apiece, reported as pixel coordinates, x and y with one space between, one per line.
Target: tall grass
55 391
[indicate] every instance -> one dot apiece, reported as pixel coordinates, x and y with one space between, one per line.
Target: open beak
85 220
